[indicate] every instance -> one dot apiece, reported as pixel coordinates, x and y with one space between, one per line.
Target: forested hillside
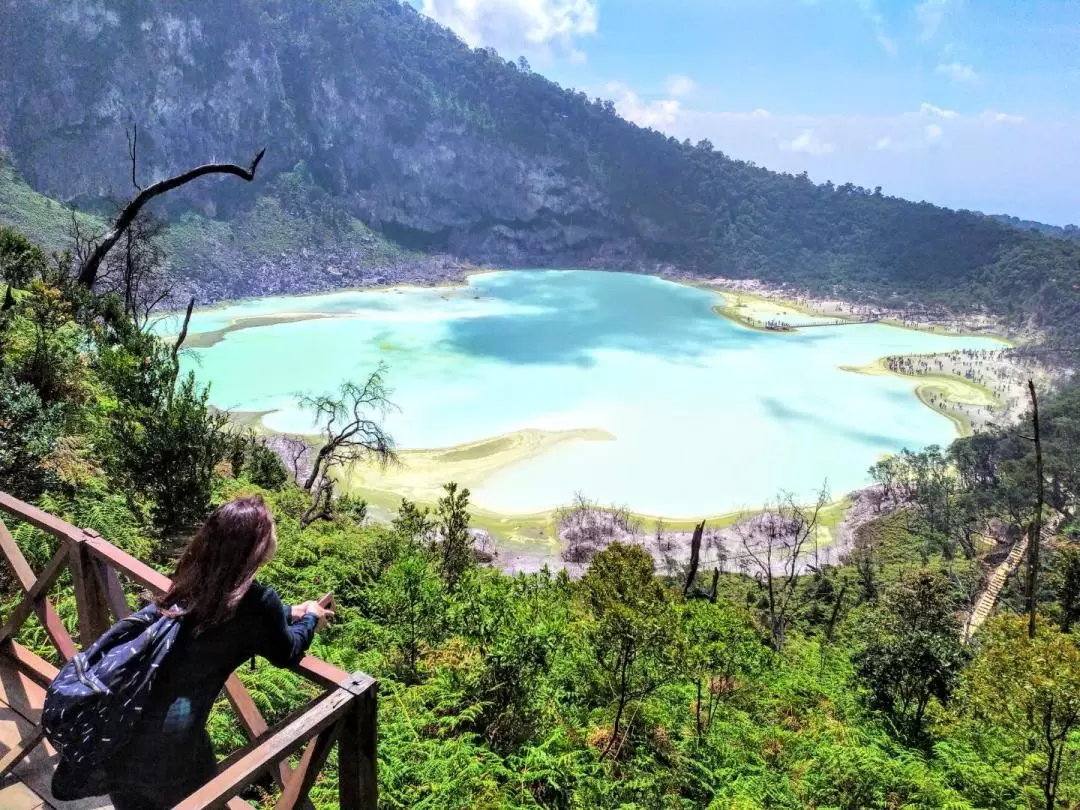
1067 232
376 117
848 687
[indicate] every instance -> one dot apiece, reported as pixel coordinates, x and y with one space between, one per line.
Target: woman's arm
284 644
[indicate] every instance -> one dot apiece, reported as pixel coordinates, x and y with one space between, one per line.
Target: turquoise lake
707 416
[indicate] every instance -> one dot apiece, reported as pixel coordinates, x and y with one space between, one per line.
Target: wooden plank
18 796
311 763
34 592
13 554
93 612
112 589
18 753
57 633
252 720
244 769
358 786
50 619
319 672
30 664
128 565
237 755
20 691
246 711
37 517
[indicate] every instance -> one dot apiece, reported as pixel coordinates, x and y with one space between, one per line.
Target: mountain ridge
382 124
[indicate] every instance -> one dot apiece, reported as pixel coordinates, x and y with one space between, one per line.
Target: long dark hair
219 564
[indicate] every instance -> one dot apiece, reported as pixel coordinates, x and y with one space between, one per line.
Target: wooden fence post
358 784
90 597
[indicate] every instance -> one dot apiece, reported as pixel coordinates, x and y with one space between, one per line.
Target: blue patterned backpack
96 699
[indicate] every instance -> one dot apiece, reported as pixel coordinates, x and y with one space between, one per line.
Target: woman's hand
322 615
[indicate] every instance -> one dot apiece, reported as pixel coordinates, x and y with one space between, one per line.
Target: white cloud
679 86
933 133
930 13
930 111
1002 118
871 13
537 27
884 142
809 143
958 72
657 114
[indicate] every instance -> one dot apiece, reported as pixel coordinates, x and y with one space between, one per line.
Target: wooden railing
345 714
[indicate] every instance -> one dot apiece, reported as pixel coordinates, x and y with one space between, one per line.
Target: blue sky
967 103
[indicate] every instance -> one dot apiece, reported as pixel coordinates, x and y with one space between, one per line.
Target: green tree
168 453
633 630
411 602
913 653
1063 578
29 429
454 517
1029 688
249 456
413 523
723 648
20 259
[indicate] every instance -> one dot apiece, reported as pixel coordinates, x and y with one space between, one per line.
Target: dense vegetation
613 691
1067 232
378 115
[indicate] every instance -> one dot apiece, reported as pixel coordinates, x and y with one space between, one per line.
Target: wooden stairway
984 604
987 600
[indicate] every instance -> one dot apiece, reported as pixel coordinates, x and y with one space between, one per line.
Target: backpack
95 701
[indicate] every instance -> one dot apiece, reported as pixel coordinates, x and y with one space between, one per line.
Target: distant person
228 618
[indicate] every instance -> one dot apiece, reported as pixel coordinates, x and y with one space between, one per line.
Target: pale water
707 416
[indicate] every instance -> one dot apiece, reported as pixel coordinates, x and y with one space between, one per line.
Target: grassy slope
264 232
43 220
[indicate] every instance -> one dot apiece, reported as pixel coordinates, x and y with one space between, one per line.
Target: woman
227 618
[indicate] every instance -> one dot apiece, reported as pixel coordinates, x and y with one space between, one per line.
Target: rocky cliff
321 89
389 140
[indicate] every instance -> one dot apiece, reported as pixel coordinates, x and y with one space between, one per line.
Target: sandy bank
975 389
420 475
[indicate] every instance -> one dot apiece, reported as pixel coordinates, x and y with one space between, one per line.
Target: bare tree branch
695 557
350 421
182 337
133 145
773 542
1036 524
88 270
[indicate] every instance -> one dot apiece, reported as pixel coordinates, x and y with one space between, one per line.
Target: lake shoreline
941 384
755 306
470 463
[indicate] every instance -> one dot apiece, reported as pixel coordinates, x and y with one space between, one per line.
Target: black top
169 745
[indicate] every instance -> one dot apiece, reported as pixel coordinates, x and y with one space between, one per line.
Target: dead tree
322 504
589 528
297 449
89 267
350 432
135 274
1035 538
689 589
773 541
695 557
174 355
